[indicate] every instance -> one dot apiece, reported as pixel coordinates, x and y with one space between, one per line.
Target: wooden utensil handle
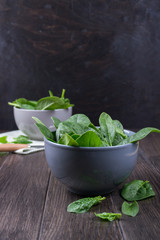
11 147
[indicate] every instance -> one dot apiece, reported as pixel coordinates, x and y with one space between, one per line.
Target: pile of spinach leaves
47 103
20 139
133 191
79 131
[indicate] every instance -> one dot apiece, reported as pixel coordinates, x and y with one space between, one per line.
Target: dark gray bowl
91 170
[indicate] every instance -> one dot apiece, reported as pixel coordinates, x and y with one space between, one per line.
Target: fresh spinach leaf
117 139
56 121
139 135
76 124
79 119
84 204
137 190
107 127
23 103
51 103
119 128
89 139
3 139
110 132
66 139
75 136
21 139
108 216
97 130
44 130
130 209
47 103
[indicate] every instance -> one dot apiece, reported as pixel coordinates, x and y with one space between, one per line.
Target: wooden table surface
33 203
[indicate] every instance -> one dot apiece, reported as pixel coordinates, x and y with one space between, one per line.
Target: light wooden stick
11 147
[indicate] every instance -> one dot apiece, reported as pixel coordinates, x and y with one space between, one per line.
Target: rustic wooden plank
23 186
59 224
150 147
146 224
3 156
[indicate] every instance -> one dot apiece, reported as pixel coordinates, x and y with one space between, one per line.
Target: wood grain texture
104 53
33 203
59 224
23 186
146 224
3 156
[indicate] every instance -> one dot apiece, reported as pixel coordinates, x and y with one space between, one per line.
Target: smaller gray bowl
25 123
91 170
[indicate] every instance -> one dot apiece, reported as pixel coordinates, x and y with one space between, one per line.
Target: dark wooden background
105 53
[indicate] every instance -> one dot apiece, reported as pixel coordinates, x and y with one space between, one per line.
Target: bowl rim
92 148
34 110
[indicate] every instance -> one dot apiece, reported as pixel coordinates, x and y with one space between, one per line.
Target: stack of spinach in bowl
79 131
50 102
91 160
43 109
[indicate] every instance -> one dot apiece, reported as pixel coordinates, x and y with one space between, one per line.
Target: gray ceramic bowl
91 170
25 123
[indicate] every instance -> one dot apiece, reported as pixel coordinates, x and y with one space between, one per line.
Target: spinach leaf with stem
50 93
110 132
23 103
108 216
44 130
137 190
139 135
47 103
56 121
21 139
52 103
130 209
83 205
107 127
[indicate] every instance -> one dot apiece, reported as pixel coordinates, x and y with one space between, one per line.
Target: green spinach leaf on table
83 205
130 209
137 190
21 139
3 139
108 216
